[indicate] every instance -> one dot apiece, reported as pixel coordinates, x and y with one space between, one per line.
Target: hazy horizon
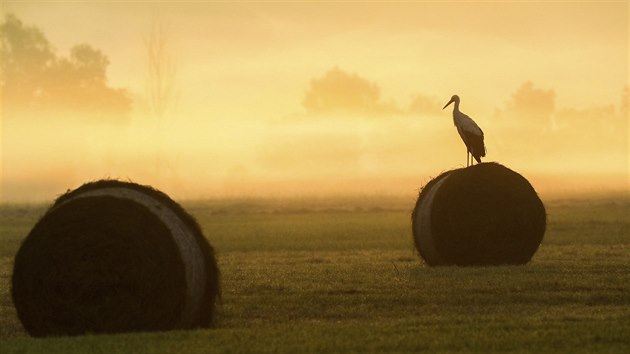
319 99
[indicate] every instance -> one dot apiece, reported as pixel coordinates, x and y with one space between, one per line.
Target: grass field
341 275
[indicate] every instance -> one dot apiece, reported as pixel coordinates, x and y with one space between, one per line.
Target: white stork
469 131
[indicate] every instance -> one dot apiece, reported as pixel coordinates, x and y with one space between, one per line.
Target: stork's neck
456 112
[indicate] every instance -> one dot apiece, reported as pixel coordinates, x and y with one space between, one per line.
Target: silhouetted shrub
114 256
485 214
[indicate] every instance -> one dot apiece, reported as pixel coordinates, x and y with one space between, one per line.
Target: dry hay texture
485 214
112 257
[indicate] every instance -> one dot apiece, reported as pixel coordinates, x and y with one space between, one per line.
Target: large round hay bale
114 256
485 214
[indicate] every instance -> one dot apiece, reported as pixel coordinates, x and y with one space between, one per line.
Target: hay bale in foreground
485 214
114 256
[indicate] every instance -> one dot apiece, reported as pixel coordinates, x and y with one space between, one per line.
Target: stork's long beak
449 102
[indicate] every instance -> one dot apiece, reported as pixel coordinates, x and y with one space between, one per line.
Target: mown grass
341 275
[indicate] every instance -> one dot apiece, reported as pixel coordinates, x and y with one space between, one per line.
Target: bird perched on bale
469 131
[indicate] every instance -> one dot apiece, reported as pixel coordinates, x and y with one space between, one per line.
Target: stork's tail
478 148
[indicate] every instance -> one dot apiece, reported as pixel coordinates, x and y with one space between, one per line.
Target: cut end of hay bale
112 257
485 214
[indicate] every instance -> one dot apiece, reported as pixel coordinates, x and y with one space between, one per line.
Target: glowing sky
243 68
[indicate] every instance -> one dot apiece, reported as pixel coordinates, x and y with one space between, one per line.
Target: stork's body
469 131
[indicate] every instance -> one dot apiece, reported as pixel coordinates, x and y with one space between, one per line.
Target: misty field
341 275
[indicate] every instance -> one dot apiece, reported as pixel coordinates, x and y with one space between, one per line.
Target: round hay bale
112 257
485 214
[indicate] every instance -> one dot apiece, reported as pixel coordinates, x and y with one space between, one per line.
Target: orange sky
544 81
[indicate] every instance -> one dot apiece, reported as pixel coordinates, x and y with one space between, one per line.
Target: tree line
35 78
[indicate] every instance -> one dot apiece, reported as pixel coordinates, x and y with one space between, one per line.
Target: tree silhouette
339 91
422 104
26 57
160 71
33 77
534 104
